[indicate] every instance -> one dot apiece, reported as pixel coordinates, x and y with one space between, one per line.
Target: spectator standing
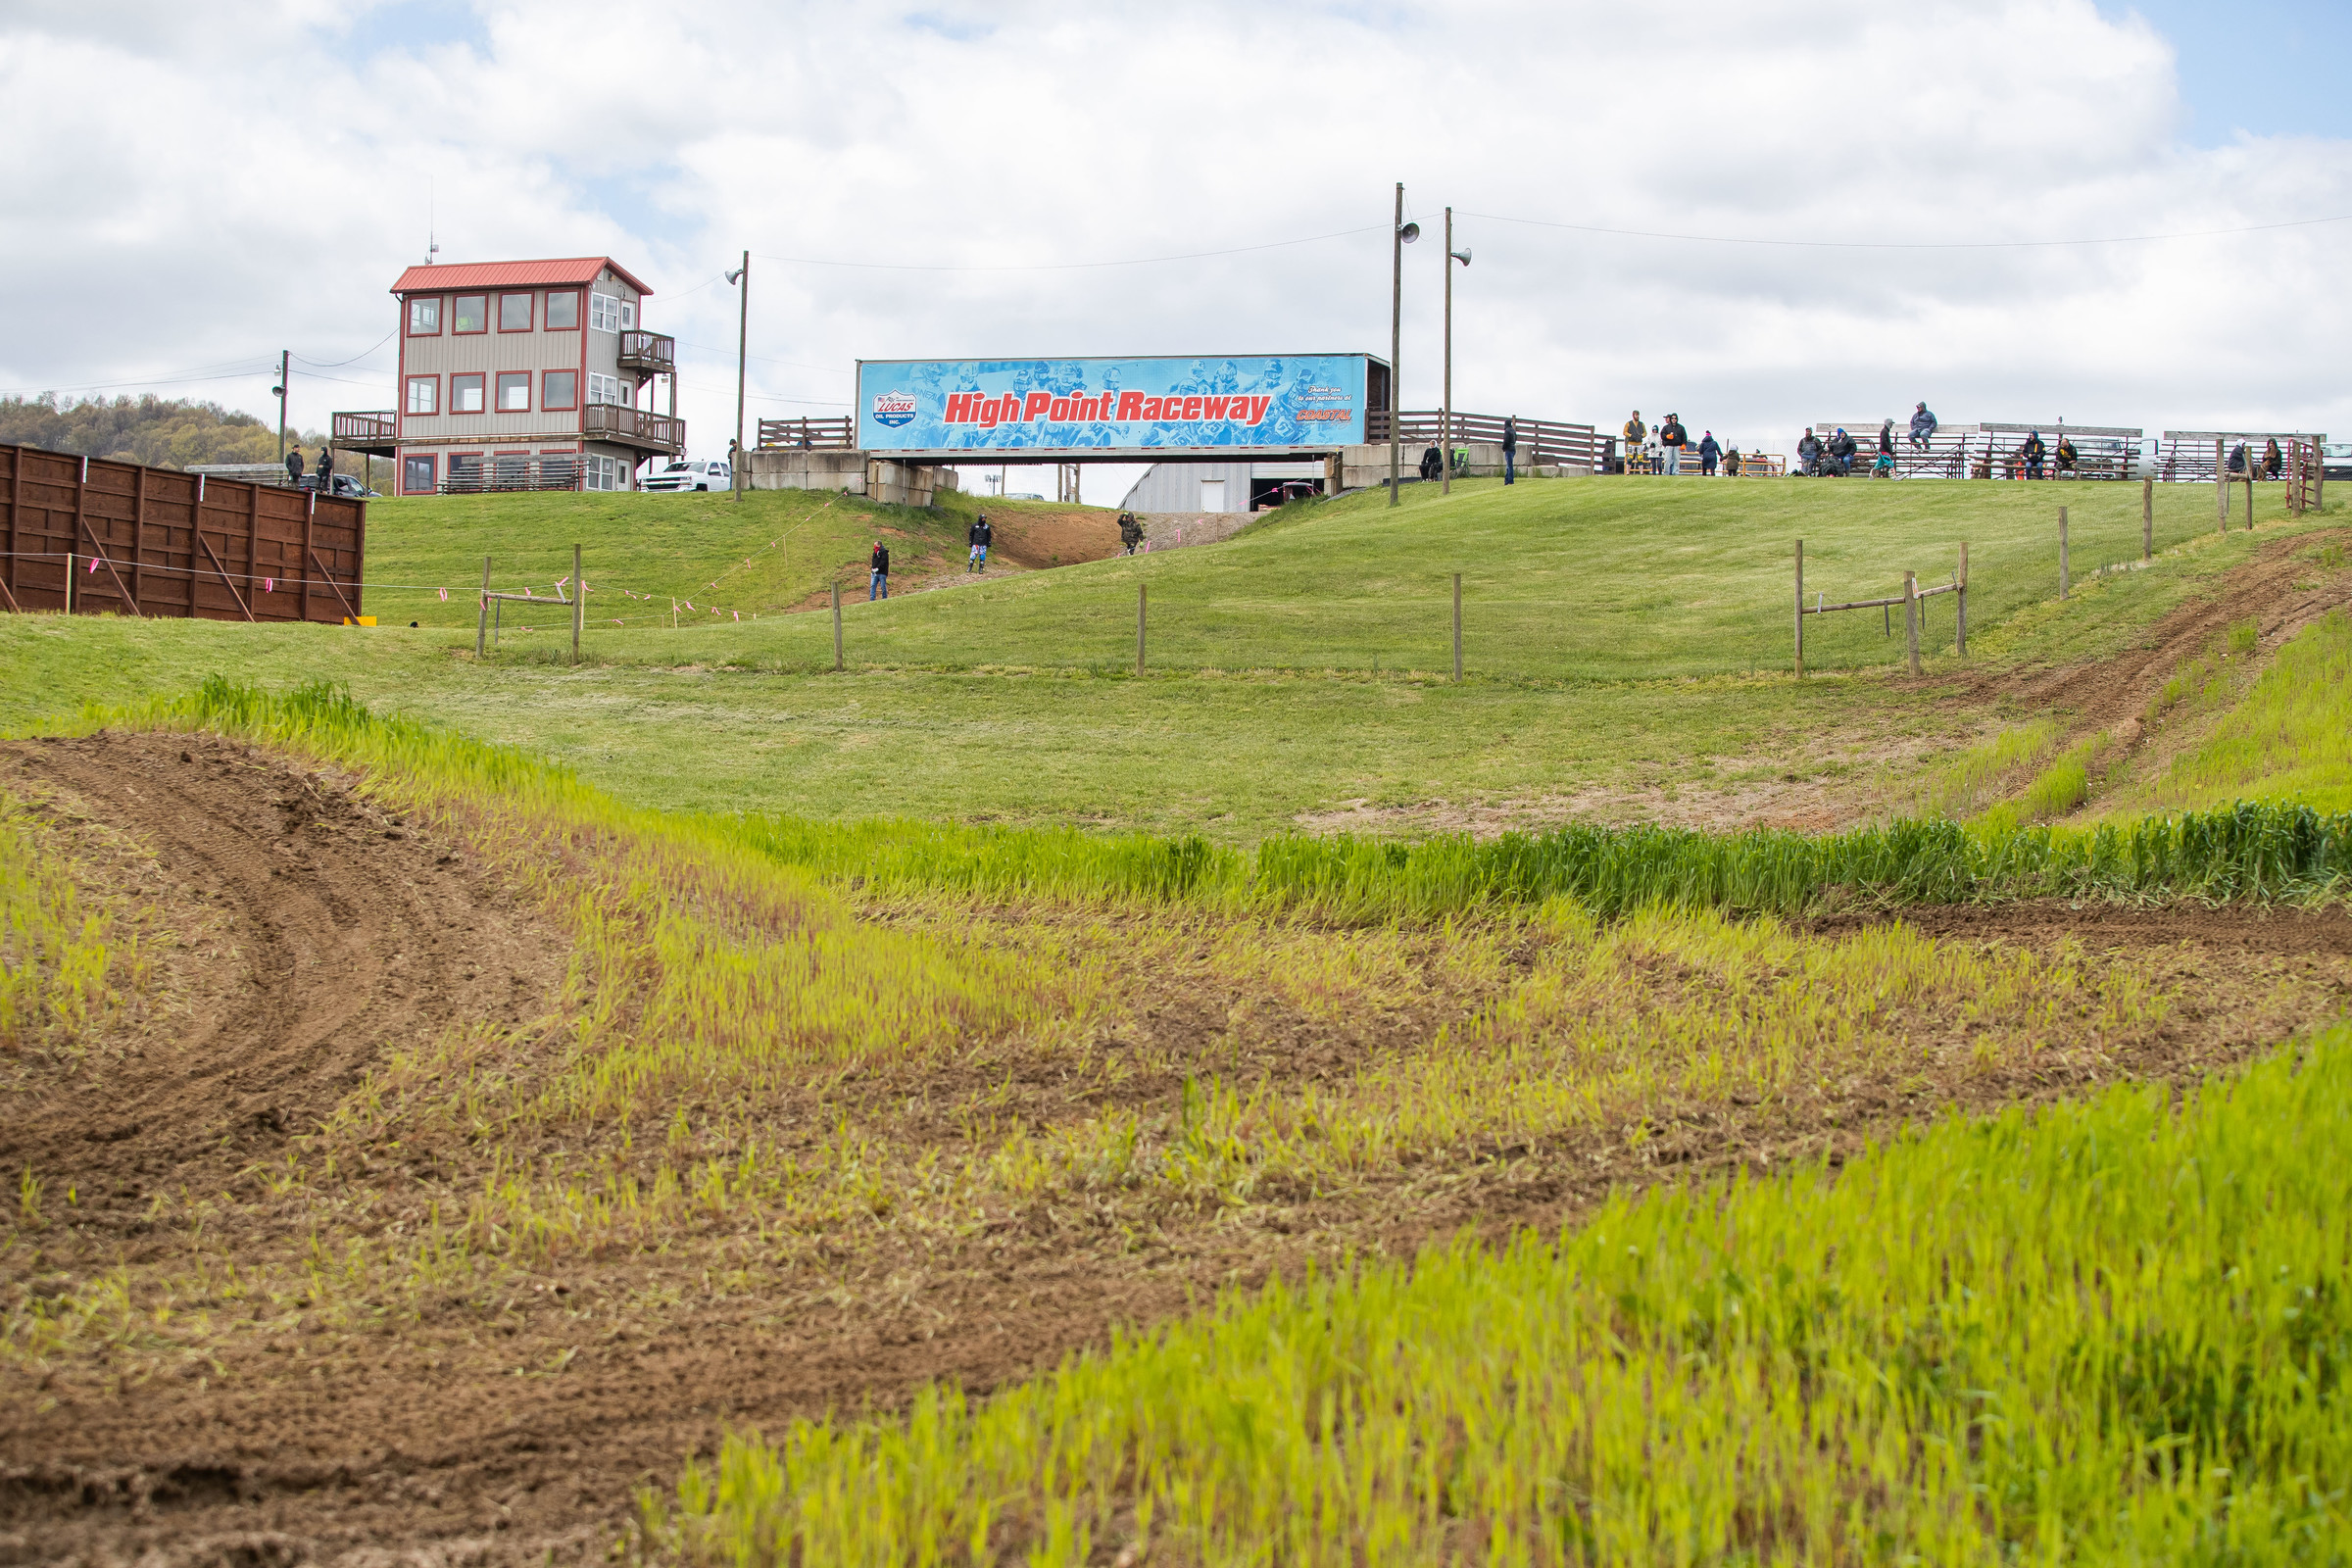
1510 449
1730 464
877 586
1635 432
1131 532
1886 439
1923 427
325 469
981 537
1709 453
294 468
1672 438
2034 452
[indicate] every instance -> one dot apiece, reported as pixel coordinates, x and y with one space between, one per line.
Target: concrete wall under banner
885 479
1363 467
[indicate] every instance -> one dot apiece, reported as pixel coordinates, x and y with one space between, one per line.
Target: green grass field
1013 700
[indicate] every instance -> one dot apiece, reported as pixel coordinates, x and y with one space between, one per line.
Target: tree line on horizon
160 432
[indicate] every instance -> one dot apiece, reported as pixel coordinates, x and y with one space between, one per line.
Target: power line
1906 245
1066 266
355 359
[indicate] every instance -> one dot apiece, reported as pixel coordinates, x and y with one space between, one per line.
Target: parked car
682 475
346 485
2335 460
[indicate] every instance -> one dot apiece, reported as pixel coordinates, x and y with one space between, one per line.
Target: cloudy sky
1767 213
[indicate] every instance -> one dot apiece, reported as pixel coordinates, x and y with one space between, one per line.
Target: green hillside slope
1596 578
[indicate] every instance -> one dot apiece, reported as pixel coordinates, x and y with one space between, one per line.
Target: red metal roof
511 274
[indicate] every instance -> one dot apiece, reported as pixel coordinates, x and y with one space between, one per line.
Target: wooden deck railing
1545 441
636 427
832 432
649 352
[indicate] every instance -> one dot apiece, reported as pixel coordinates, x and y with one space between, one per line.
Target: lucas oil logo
894 408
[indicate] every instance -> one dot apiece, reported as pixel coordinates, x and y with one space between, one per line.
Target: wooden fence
89 535
1545 441
834 433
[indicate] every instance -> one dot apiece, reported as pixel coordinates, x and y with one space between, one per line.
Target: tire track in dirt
353 935
2108 691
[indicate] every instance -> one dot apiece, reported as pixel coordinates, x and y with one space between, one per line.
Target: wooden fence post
1457 625
69 583
2250 461
1960 605
579 603
837 628
481 625
1800 609
2221 484
2147 520
2062 562
1911 608
1140 599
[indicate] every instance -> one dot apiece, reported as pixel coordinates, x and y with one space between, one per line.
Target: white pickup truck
685 476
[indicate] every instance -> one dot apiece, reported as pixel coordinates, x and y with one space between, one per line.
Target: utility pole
1397 241
285 363
743 343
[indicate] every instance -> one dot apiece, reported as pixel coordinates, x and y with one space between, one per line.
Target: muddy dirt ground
315 935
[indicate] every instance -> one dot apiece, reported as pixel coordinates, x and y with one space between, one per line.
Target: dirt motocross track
321 935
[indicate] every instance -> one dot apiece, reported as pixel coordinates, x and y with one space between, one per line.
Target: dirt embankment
331 935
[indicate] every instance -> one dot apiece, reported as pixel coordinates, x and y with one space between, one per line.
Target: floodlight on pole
1446 414
743 340
1404 234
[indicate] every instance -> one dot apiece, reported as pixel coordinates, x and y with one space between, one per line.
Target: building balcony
648 353
642 428
375 433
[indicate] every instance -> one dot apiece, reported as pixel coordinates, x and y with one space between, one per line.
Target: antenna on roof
432 246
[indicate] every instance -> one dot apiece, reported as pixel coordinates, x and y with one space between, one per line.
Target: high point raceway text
974 408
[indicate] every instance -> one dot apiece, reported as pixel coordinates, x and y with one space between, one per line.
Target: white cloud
197 186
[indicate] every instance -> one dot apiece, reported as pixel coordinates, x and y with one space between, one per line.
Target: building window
425 394
416 474
466 394
472 313
603 313
628 315
602 388
513 391
563 311
608 474
515 313
561 391
424 318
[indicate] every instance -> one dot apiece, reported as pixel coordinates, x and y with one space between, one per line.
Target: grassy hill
769 552
1013 699
1566 579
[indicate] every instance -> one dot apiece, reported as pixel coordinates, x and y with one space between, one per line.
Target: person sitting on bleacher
1809 453
1841 451
1923 427
2067 456
2032 452
2237 458
2270 458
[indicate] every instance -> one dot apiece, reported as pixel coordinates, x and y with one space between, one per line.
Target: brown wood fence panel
158 542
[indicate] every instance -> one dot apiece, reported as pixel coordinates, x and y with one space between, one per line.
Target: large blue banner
1256 402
